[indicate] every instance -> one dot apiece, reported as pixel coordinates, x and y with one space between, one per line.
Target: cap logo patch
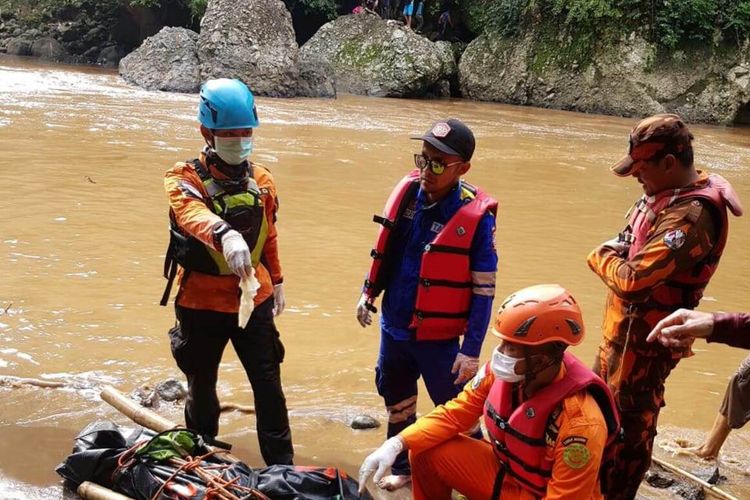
441 130
460 231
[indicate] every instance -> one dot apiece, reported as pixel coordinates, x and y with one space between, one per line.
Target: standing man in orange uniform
661 262
223 215
435 259
548 416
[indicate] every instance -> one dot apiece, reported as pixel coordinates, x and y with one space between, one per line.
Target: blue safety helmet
227 104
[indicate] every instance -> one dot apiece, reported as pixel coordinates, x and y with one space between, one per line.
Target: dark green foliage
35 11
499 16
323 8
668 23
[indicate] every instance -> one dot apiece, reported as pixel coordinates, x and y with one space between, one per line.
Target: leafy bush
668 23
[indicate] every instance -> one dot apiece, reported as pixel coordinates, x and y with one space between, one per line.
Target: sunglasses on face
436 167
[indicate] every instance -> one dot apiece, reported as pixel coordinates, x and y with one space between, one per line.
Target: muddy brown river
83 230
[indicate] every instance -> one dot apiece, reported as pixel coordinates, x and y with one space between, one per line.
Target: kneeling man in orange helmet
548 416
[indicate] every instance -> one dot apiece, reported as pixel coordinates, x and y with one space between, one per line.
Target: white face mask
233 150
504 367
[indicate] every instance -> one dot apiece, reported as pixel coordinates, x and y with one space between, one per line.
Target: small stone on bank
364 422
658 480
171 390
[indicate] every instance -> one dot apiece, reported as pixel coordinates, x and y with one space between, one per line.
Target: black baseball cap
452 137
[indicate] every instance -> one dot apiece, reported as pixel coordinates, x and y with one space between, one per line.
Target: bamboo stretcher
710 489
151 420
141 416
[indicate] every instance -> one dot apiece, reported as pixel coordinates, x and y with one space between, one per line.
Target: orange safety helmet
538 315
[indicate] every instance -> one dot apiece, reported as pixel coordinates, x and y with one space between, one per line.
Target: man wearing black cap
435 259
661 262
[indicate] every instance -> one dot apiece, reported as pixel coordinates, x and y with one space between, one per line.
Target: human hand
465 366
236 253
279 302
620 247
379 461
365 310
681 327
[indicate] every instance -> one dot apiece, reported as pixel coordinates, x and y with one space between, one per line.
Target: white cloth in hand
279 302
237 253
379 461
249 287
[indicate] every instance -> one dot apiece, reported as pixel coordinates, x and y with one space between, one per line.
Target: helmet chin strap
529 375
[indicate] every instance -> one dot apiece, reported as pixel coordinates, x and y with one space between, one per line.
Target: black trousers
198 341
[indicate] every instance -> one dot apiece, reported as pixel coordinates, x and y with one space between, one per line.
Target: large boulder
166 61
372 56
629 78
252 40
49 49
18 46
315 79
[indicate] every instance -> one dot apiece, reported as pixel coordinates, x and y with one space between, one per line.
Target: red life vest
686 288
444 288
520 435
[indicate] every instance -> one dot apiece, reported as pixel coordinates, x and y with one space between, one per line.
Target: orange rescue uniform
443 459
186 194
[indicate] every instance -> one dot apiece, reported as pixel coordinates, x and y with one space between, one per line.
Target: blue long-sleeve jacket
409 239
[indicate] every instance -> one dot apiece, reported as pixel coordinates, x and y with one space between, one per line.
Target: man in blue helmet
222 228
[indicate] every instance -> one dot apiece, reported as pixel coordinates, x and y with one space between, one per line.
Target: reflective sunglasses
436 167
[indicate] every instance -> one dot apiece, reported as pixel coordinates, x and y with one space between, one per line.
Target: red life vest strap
505 426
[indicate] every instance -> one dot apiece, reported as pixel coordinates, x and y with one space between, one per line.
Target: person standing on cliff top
435 260
661 262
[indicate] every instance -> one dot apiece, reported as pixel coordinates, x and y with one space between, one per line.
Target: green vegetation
324 8
35 11
669 24
38 10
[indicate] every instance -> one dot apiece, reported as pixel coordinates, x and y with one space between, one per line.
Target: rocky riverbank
363 54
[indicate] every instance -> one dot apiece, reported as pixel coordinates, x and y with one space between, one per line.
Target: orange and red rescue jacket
686 288
520 434
445 286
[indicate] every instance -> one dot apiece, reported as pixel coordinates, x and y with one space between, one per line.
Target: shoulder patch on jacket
694 211
674 239
576 455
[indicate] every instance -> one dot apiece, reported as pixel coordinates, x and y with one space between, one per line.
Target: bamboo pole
147 418
135 412
92 491
18 381
710 488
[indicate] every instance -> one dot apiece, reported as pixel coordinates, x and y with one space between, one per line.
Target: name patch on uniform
674 239
436 227
576 456
574 439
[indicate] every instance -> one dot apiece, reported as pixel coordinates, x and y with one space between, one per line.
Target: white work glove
379 461
466 367
237 253
278 299
364 313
